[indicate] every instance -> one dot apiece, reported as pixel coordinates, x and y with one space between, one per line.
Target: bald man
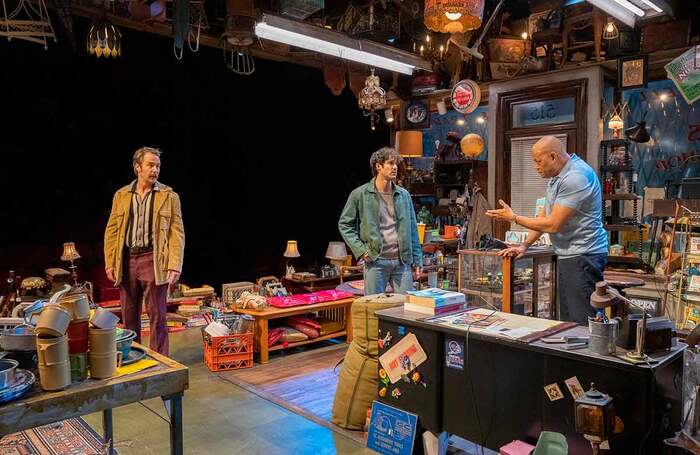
573 219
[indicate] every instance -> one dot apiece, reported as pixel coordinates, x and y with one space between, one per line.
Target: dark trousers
139 285
576 279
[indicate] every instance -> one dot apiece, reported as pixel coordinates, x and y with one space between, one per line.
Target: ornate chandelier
104 39
453 16
371 98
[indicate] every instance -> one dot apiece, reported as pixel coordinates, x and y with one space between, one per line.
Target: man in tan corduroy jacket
144 246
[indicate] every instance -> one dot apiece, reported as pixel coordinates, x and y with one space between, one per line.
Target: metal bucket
603 336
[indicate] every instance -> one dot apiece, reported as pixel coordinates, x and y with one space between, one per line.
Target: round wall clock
466 96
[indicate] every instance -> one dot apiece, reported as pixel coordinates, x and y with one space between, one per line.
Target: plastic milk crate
229 352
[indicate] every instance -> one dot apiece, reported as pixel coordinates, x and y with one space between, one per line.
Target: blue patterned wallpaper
674 127
440 125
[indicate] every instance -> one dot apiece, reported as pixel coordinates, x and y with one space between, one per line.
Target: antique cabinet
523 286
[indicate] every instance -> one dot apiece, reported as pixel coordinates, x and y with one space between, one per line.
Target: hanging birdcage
27 21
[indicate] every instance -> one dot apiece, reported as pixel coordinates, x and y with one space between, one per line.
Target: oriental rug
303 383
67 437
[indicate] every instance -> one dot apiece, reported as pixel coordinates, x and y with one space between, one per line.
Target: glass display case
522 286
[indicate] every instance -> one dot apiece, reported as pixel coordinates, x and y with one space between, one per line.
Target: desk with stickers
490 378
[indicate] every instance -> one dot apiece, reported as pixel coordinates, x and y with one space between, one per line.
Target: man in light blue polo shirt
573 219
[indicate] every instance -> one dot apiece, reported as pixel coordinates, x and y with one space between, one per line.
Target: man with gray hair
573 219
144 246
379 224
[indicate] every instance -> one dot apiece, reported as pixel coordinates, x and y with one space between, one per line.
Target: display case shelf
525 285
620 197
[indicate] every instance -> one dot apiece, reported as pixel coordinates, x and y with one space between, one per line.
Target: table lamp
70 254
607 296
291 252
337 253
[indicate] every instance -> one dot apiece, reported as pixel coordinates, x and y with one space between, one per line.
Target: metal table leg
175 412
108 430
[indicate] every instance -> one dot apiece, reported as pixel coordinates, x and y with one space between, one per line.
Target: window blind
526 185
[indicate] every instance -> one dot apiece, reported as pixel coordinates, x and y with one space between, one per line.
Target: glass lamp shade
69 252
453 16
372 96
104 39
292 250
616 123
336 250
409 143
595 415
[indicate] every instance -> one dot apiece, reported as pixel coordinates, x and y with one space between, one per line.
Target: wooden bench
338 310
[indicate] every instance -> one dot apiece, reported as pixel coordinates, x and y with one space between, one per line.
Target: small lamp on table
337 253
291 252
70 254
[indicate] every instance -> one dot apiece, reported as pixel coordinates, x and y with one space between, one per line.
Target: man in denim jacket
379 224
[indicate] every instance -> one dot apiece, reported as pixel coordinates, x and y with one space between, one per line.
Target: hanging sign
391 431
465 96
684 71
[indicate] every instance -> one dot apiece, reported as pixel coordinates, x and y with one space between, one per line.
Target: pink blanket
308 299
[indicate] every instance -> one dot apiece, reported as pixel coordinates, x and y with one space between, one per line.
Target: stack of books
190 308
434 301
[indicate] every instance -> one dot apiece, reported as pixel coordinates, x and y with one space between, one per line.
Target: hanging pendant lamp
453 16
371 98
104 39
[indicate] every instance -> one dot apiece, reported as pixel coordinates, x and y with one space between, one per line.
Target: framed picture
632 72
416 115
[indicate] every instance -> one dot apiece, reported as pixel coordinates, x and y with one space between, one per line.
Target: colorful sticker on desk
454 354
574 387
385 342
403 357
553 392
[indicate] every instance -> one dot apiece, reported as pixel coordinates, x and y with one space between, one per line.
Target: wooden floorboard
304 383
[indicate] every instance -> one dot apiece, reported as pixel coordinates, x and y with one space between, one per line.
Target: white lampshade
336 250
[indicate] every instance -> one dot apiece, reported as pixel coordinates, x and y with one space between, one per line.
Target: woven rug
67 437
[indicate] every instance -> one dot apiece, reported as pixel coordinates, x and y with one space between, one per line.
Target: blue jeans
380 272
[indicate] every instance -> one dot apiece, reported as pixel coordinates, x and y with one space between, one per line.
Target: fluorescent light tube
653 6
634 8
620 13
310 37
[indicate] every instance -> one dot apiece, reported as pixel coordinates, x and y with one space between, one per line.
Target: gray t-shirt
577 187
387 225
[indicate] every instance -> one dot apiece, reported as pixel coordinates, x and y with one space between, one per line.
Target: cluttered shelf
620 197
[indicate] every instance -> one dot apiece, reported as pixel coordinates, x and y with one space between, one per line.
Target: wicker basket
230 292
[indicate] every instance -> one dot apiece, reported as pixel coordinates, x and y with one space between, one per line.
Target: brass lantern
595 415
453 16
372 97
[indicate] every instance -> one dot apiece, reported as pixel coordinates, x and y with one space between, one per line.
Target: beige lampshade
409 143
336 250
69 252
292 250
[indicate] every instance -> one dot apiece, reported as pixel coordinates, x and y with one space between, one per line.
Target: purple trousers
139 285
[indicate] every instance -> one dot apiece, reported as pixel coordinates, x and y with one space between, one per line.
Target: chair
551 443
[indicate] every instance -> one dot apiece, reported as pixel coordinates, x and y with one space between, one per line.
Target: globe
472 145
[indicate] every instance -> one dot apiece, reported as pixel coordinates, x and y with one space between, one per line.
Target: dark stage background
256 160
